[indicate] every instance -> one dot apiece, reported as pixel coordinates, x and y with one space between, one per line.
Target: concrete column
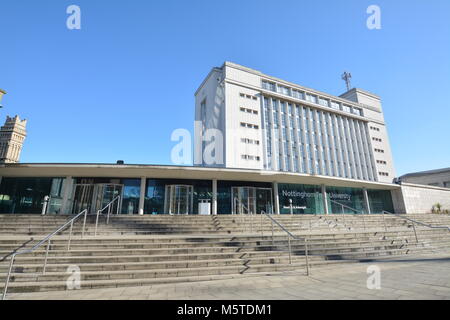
366 201
324 198
142 196
214 197
68 189
276 198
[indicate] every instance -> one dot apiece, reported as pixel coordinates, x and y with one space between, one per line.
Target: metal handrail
418 222
40 243
414 222
238 202
101 211
290 235
344 206
353 209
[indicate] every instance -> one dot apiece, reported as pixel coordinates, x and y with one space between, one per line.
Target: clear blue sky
117 88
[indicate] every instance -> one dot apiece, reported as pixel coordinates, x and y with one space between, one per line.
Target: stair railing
47 240
108 207
242 206
289 236
352 209
414 222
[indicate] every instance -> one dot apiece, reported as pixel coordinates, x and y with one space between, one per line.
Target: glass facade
26 195
345 200
95 193
224 194
300 199
380 200
156 201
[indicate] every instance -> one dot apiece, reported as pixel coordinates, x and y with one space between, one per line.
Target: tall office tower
12 136
274 125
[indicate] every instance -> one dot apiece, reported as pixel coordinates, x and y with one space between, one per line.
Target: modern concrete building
261 144
435 178
271 124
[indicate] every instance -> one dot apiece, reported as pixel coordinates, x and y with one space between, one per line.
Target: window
311 98
335 105
377 139
384 174
323 102
346 108
268 85
284 90
248 96
357 111
381 162
249 157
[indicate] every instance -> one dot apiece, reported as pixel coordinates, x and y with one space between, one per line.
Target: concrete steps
143 250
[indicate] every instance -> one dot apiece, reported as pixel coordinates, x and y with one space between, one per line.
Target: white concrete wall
211 91
413 198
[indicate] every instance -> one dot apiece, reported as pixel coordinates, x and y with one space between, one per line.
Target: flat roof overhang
178 172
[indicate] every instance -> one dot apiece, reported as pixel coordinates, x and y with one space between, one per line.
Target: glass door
243 200
82 197
179 199
251 200
104 194
264 201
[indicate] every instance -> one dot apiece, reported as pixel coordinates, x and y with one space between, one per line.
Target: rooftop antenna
346 77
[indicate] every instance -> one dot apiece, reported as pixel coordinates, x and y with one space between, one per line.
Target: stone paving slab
419 277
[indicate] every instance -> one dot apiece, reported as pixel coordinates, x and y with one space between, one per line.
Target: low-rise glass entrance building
153 190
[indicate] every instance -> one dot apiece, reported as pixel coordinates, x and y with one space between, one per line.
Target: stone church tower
12 136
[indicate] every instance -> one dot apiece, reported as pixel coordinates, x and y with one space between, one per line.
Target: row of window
381 162
374 128
377 139
384 174
249 110
379 150
303 139
249 125
271 86
248 157
250 141
248 96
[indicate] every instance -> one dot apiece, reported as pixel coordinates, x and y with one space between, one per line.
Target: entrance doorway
94 197
179 199
251 200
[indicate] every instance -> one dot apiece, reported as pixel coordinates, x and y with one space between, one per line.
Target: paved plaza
420 277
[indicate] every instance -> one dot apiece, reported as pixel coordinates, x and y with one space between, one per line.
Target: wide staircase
145 250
